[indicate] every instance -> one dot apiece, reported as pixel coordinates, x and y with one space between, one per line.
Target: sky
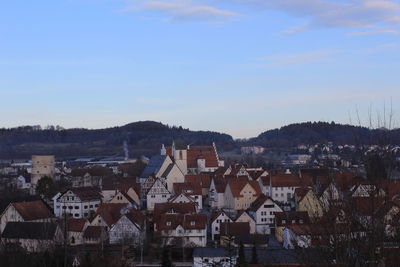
234 66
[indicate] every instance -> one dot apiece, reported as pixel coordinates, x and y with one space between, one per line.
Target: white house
158 193
78 202
216 194
193 191
218 217
129 229
282 186
188 230
263 210
27 211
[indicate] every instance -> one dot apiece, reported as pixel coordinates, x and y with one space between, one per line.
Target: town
188 205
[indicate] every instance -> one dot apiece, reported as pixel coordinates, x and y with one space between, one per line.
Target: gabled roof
260 201
202 152
85 193
301 192
136 216
110 212
30 230
181 208
76 225
202 179
33 210
290 180
237 185
216 214
187 221
168 170
154 165
186 188
241 212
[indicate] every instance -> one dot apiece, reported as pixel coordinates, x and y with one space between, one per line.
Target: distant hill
143 138
146 137
322 132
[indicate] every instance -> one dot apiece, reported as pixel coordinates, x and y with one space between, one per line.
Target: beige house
240 193
29 211
306 200
32 236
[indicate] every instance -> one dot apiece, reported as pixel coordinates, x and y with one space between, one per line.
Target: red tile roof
33 210
237 185
181 208
202 179
76 225
290 180
86 193
187 188
110 212
202 152
187 221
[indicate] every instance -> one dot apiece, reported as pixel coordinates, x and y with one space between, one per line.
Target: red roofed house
218 217
75 230
27 211
187 230
282 186
194 159
239 194
263 210
306 200
191 190
216 194
77 202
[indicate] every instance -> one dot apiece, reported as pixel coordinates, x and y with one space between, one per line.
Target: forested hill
146 137
143 138
322 132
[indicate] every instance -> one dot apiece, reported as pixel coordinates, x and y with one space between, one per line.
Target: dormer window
168 223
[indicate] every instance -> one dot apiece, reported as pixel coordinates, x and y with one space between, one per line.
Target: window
168 223
216 228
164 196
152 196
76 215
91 206
64 207
97 205
76 207
192 223
70 207
85 206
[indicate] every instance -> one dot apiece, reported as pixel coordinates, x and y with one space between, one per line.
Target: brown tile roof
76 225
33 210
301 192
236 186
234 228
187 221
289 216
256 174
180 208
137 217
187 188
260 201
94 171
202 179
110 212
216 214
290 180
86 193
202 152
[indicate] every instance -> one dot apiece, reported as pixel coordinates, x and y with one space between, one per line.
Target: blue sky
237 66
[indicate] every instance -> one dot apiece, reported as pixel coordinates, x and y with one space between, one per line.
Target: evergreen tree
165 258
254 258
241 259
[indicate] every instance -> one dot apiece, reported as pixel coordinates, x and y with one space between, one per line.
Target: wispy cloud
333 13
182 10
376 31
297 59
